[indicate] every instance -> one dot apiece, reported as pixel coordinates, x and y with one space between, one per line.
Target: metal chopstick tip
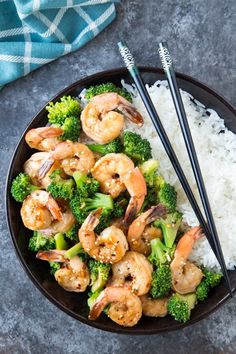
126 55
165 57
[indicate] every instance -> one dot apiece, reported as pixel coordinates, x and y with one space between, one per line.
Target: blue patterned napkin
35 32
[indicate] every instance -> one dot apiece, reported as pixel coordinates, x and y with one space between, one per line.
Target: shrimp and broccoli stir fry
103 217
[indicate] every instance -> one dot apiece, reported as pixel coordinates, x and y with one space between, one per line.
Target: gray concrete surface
201 35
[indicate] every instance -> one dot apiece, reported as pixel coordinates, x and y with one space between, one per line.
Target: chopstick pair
210 231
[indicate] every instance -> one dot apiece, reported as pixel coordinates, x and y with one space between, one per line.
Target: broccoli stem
73 251
101 149
80 178
61 244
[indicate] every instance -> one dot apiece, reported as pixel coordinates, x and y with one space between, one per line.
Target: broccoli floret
86 186
40 241
60 187
104 88
99 273
161 277
150 199
136 148
161 281
22 186
119 209
149 169
168 196
71 129
160 254
180 306
114 146
104 221
86 200
210 280
202 290
59 111
169 227
81 206
54 266
72 234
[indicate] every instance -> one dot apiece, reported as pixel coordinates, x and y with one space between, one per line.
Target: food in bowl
103 215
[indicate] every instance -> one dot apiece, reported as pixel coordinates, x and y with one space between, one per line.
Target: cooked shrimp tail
51 255
130 112
44 168
185 244
136 186
54 208
98 306
93 219
156 212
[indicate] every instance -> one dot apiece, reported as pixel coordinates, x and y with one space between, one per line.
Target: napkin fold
35 32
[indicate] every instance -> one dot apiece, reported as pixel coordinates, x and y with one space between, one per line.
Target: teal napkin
35 32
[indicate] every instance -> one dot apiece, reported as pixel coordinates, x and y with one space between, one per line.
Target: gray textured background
201 35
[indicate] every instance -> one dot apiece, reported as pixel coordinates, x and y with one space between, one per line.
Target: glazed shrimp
73 275
108 247
32 166
43 139
116 172
125 307
134 272
101 121
39 209
186 276
72 156
140 235
110 170
154 307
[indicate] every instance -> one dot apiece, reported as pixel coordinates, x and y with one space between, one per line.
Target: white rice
216 150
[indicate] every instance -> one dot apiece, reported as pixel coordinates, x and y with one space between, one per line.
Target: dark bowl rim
121 330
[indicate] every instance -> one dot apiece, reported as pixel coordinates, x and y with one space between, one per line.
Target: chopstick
168 68
134 72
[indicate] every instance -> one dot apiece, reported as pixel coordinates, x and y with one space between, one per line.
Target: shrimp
134 272
125 307
32 166
154 307
39 209
116 172
108 247
73 157
43 139
139 235
101 121
64 224
73 275
186 276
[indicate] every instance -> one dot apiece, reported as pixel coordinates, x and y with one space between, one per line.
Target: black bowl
75 304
